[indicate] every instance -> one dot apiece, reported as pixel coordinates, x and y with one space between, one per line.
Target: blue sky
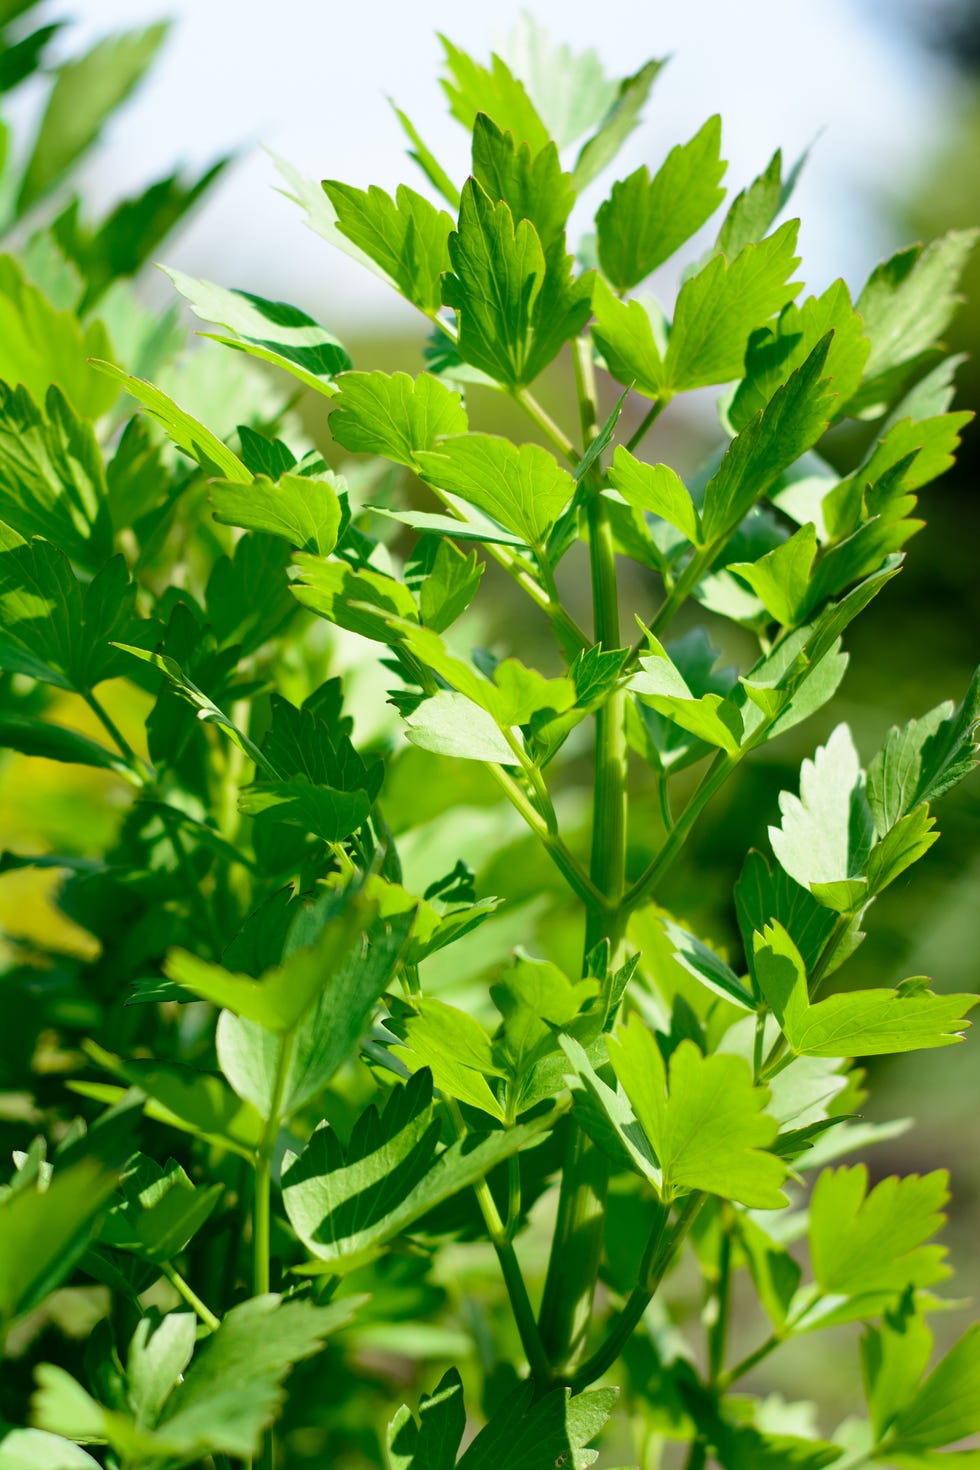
309 78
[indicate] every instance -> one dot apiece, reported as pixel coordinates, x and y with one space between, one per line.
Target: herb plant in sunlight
399 1083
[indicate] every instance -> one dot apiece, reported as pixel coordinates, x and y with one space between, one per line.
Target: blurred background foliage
915 646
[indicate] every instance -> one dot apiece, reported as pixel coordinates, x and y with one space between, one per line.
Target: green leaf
570 92
712 718
764 894
472 89
774 353
196 1102
794 419
536 1000
321 811
894 1357
449 586
825 836
431 1442
946 1406
31 736
658 489
864 1244
272 330
516 303
922 760
361 601
407 237
630 338
661 741
35 1449
280 997
607 1117
775 1274
907 304
859 1023
395 415
718 308
781 578
345 1204
52 626
753 210
46 1226
453 1046
904 844
52 481
532 185
161 1210
708 1129
644 221
304 511
427 162
520 486
193 438
329 1033
451 724
41 347
554 1430
621 118
86 91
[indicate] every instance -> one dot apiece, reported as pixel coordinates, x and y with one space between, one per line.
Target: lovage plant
394 1062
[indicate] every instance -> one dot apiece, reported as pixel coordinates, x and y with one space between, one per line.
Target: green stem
697 1455
761 1353
138 767
718 1333
195 897
565 861
510 1268
184 1289
661 1249
546 424
576 1248
262 1205
714 778
647 422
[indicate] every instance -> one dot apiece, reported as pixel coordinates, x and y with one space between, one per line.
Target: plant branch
647 422
661 1249
712 781
546 424
190 1296
140 769
562 857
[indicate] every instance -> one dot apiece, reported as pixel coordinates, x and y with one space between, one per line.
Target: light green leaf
41 347
907 304
394 415
606 1115
922 760
282 334
304 511
904 844
345 1204
776 352
453 1046
474 527
858 1023
532 185
644 221
753 210
658 489
516 303
781 578
472 89
451 724
866 1244
449 586
569 90
520 486
718 308
349 598
35 1449
536 999
620 120
628 334
826 832
790 424
713 717
193 438
894 1357
946 1406
421 154
708 1129
87 89
407 237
